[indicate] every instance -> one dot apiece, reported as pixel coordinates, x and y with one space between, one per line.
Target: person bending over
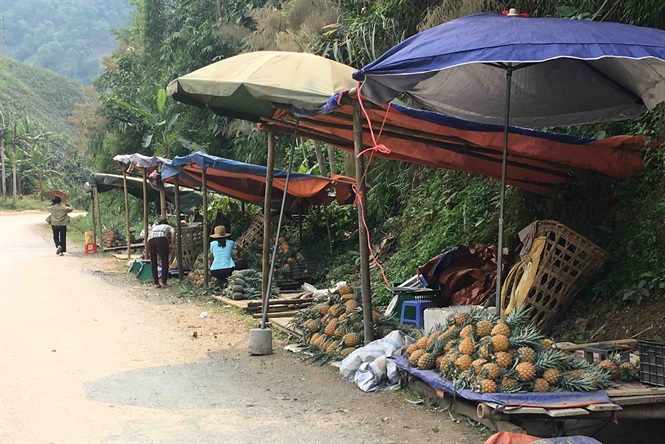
158 247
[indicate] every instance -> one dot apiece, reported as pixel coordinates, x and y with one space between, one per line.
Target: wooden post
162 197
178 224
99 217
14 167
267 201
145 214
362 234
92 214
206 238
331 160
2 158
319 159
124 186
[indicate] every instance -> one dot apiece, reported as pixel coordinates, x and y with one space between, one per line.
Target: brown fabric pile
468 277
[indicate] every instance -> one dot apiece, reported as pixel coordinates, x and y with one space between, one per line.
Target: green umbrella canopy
247 85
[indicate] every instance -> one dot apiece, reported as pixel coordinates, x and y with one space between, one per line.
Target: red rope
360 196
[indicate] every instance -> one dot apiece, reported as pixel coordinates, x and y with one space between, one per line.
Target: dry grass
449 10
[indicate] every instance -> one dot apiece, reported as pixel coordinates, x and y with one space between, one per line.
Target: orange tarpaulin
537 161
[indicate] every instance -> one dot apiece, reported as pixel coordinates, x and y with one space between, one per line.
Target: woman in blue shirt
221 248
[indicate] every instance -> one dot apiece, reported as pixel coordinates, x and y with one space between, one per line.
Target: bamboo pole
206 237
124 186
331 160
362 234
162 197
145 214
99 217
178 224
270 167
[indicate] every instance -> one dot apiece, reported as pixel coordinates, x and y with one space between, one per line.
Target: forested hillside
171 38
66 36
36 109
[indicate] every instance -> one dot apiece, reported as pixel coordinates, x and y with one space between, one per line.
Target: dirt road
88 355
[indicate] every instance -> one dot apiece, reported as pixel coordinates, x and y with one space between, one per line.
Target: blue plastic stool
419 307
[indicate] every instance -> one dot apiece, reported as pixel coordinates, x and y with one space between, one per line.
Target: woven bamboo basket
567 263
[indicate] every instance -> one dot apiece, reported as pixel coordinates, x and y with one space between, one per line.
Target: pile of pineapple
481 352
334 327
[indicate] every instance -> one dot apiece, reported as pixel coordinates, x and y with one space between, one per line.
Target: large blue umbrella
557 72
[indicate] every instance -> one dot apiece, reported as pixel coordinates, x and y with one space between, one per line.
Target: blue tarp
545 400
219 163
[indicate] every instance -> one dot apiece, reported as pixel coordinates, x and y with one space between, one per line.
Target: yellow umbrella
248 85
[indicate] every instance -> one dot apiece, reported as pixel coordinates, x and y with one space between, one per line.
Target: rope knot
381 148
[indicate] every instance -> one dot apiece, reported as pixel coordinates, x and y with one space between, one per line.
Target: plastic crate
652 362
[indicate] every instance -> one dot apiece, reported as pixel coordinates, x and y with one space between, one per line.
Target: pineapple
491 371
341 318
336 310
345 289
334 349
353 340
331 327
576 381
628 371
348 297
426 361
503 359
611 368
466 332
500 343
312 325
552 375
377 315
461 319
477 365
422 343
449 345
339 332
351 305
463 362
509 384
484 351
487 386
541 385
439 359
346 352
466 346
321 308
433 337
500 329
526 354
411 348
314 338
484 328
443 363
526 371
415 357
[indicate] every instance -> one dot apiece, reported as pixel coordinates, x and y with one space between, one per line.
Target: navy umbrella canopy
514 70
565 72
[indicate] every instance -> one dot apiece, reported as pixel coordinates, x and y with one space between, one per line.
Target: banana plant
160 133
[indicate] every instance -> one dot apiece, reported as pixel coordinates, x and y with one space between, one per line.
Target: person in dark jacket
59 219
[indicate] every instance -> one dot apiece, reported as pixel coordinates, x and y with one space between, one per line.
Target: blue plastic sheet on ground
544 400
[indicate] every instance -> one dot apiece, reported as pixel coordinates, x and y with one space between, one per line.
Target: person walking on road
59 219
160 237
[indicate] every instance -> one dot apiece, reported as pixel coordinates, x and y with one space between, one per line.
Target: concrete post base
260 341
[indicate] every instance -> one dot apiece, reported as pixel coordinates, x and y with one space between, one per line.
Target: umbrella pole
178 224
499 261
206 236
124 185
266 216
145 215
362 234
92 215
264 317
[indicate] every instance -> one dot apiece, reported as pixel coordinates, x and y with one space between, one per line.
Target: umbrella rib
613 82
